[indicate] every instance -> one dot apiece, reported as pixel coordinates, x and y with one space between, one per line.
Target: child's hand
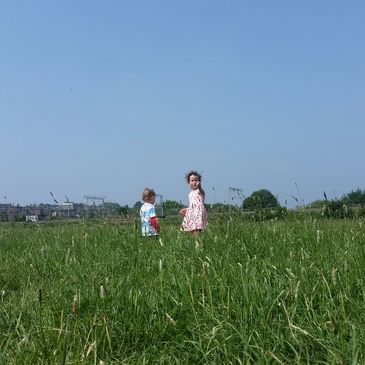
183 211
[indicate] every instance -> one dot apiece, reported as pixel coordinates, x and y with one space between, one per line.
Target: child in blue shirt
149 221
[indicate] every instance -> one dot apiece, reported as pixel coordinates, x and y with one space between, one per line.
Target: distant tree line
261 204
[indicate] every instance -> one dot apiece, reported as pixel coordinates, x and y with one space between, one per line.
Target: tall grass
286 292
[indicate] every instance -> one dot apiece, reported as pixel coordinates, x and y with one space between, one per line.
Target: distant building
31 218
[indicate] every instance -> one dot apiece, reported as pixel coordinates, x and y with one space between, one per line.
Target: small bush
336 209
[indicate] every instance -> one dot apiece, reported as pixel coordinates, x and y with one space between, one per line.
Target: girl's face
194 182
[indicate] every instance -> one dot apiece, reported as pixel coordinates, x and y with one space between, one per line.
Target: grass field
277 292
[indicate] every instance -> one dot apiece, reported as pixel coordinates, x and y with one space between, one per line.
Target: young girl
149 222
195 215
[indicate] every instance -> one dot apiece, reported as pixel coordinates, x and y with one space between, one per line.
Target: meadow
288 291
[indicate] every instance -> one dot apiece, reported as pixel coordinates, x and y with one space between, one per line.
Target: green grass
278 292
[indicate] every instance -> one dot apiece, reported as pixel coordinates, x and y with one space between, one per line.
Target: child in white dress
195 215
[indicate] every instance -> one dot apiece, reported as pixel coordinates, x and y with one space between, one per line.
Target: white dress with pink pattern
196 214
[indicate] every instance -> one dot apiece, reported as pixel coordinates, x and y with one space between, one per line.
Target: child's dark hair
190 173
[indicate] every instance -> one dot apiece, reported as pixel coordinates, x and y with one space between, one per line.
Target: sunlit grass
274 292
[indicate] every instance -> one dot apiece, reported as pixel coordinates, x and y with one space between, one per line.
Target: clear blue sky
108 97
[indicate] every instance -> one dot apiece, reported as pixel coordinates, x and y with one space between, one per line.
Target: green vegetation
355 197
285 291
348 206
260 199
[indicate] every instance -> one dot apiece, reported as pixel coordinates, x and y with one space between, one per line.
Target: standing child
149 222
195 215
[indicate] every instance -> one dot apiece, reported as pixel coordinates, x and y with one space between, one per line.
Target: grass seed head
75 303
170 319
90 349
102 291
318 235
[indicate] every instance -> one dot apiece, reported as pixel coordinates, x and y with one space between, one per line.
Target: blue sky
108 97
